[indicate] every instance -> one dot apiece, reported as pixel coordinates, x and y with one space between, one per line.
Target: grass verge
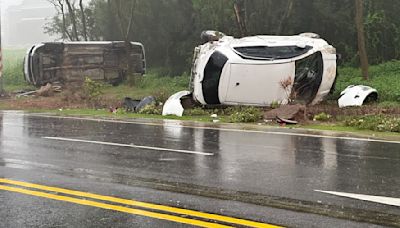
383 77
340 127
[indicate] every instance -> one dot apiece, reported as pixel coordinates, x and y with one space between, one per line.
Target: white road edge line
130 145
220 129
376 199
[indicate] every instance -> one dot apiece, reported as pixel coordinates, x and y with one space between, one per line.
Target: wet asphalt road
259 176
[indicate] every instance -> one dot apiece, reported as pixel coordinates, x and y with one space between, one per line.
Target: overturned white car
261 70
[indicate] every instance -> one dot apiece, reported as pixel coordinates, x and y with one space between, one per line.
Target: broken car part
357 96
74 61
262 70
132 105
173 105
144 102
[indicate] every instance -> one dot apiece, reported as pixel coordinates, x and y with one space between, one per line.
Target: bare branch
73 19
83 18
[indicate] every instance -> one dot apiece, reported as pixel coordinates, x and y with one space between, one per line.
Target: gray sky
23 25
19 34
7 3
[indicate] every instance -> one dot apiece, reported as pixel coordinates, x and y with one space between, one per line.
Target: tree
285 17
362 50
169 29
126 28
53 28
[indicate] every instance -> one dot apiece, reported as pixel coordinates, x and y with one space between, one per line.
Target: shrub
322 117
161 95
245 115
92 91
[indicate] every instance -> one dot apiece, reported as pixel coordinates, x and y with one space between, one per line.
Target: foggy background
23 22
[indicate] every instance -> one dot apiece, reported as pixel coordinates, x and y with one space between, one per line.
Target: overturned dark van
74 61
261 70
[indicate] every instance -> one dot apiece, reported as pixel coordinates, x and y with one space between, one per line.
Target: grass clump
151 109
196 112
245 115
375 123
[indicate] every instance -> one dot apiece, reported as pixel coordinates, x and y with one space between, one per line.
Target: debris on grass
287 112
132 105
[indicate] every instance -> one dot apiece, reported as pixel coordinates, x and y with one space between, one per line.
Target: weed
246 115
92 91
323 117
275 105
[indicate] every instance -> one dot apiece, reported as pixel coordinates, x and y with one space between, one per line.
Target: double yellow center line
196 220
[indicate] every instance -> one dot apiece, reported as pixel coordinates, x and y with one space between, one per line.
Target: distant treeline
170 29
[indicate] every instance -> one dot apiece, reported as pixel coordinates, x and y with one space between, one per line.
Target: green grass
102 113
384 77
122 115
339 127
151 85
13 69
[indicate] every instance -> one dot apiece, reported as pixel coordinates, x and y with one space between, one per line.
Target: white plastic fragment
355 95
173 105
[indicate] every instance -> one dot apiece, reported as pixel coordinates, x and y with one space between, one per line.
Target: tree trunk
362 50
84 28
120 17
73 20
131 77
59 5
240 18
285 17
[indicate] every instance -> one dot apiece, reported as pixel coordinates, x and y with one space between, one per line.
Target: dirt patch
290 112
56 102
335 111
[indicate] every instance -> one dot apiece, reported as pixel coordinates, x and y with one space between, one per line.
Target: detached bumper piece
357 96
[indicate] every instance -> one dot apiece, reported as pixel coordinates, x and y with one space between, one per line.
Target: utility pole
1 63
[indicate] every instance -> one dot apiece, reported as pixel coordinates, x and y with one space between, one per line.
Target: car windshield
265 52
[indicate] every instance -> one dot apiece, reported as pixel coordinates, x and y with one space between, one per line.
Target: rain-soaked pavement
268 177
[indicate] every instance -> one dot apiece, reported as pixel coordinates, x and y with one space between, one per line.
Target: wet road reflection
275 165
